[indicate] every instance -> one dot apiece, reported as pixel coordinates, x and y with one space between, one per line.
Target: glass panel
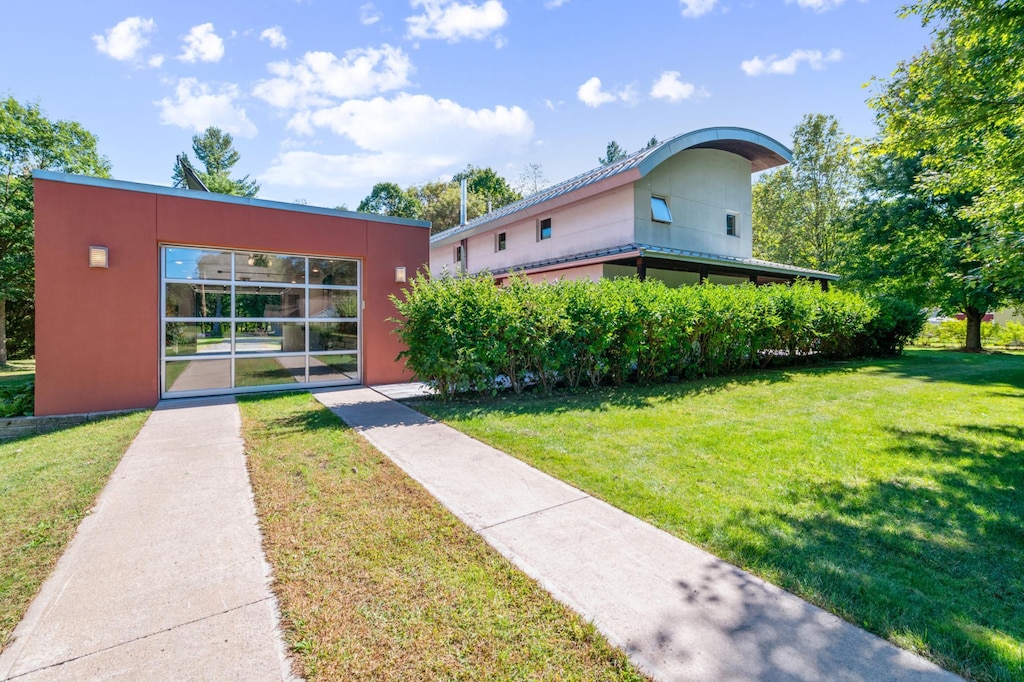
261 336
333 303
324 336
545 228
269 267
659 210
181 263
333 272
269 371
333 367
198 300
269 302
197 375
197 338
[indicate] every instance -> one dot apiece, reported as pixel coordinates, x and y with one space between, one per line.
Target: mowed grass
377 581
890 492
17 371
48 483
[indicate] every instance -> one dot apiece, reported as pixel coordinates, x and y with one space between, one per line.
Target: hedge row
463 333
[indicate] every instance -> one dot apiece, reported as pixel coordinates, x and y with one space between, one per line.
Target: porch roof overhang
675 259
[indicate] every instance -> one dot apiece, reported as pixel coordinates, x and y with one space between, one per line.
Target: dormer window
660 211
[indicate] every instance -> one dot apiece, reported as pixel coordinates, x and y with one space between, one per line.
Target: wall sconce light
400 274
98 257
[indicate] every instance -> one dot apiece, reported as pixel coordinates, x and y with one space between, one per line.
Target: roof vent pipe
462 202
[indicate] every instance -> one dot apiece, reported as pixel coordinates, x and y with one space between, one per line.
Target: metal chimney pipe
462 202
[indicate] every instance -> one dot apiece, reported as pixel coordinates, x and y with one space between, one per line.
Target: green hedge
462 333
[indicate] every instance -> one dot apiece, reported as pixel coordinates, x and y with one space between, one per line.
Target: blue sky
326 98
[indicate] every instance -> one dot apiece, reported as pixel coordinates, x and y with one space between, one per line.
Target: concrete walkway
165 579
679 612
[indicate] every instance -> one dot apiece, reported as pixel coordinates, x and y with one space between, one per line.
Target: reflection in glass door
239 320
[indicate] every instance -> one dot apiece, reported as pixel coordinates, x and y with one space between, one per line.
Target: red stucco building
147 292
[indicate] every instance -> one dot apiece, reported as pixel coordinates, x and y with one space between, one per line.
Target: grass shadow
913 556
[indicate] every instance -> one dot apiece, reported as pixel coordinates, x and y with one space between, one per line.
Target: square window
730 224
545 229
501 241
660 211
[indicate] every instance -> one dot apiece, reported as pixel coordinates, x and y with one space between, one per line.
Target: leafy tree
488 185
960 100
907 241
612 153
798 209
442 202
387 198
30 141
215 150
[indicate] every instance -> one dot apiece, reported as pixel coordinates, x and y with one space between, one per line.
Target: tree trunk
3 331
974 317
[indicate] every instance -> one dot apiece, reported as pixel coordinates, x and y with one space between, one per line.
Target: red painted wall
98 330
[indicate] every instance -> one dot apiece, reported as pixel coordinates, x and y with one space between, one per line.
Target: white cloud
772 64
337 171
452 20
126 39
552 4
696 8
405 139
369 14
195 106
668 86
156 61
275 36
202 44
817 5
591 94
319 76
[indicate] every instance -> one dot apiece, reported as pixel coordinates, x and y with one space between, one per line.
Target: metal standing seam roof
762 151
675 254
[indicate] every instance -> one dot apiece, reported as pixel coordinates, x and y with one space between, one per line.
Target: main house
678 211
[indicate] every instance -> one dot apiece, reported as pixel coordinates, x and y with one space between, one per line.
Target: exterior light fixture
98 257
400 274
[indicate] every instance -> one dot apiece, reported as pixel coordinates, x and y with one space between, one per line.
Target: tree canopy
957 110
612 153
905 240
439 201
387 198
798 209
216 152
30 141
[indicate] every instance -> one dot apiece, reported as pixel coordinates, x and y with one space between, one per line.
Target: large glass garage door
241 320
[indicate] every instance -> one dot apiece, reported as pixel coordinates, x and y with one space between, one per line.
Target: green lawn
17 371
47 484
377 581
889 492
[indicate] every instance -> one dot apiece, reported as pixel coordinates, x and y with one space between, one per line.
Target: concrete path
679 612
165 579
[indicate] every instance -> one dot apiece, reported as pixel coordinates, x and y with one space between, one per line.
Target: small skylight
660 211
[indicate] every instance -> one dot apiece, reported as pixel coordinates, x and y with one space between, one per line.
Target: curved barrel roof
762 151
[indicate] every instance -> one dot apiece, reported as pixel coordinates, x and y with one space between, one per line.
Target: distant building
678 211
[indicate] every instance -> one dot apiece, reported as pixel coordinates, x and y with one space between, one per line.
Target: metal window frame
231 320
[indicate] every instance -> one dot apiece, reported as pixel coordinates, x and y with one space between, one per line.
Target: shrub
17 399
466 333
